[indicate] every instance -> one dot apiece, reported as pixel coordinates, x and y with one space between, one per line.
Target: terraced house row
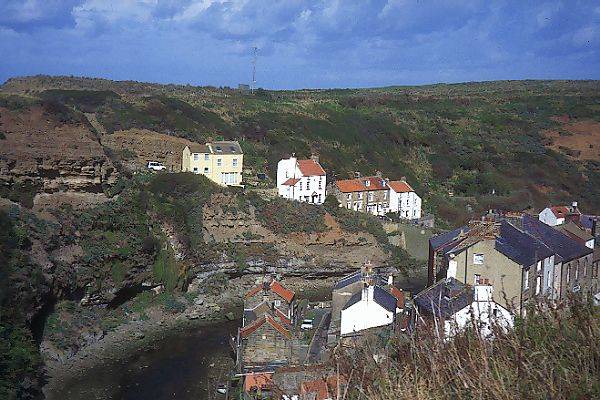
523 258
306 181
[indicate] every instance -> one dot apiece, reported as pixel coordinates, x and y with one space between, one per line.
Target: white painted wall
483 314
548 217
310 189
365 314
406 204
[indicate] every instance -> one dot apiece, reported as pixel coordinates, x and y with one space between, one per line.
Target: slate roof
572 230
444 299
567 248
310 168
400 187
380 296
587 220
348 280
439 241
226 147
384 299
198 148
519 246
356 277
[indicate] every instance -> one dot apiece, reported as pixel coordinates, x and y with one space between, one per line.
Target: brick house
369 194
264 342
272 296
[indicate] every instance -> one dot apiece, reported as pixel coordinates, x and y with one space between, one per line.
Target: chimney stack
378 174
574 205
403 179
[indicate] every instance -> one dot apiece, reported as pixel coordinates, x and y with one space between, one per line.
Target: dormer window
232 148
367 183
219 149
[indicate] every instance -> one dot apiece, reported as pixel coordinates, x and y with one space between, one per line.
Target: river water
184 366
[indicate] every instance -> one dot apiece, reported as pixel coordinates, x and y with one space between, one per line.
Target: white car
156 166
307 324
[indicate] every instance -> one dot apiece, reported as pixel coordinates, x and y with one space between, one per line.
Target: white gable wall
363 315
406 204
483 314
310 189
548 217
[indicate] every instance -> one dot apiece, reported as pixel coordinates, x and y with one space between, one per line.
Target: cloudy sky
302 43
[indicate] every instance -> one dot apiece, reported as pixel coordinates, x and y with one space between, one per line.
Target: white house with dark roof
450 307
371 307
301 180
558 215
404 200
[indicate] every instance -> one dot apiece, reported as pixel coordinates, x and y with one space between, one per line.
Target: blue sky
316 44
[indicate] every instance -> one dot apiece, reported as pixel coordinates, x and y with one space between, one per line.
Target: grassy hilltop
528 142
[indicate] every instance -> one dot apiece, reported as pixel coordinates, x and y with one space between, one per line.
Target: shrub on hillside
285 216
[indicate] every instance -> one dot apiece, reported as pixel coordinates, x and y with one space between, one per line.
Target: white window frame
476 279
538 267
196 156
234 162
371 196
206 170
478 259
349 196
526 280
219 162
538 285
206 157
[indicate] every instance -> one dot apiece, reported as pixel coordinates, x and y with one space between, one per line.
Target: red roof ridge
252 327
280 328
310 167
283 317
253 291
285 293
400 186
291 181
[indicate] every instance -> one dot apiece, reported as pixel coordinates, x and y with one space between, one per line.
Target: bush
285 216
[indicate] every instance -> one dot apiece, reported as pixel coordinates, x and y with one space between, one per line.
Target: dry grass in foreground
550 355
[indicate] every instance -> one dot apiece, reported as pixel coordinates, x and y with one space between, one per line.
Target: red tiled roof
358 184
254 291
560 211
400 187
323 388
280 328
252 327
277 288
283 317
399 295
256 381
285 293
310 168
291 181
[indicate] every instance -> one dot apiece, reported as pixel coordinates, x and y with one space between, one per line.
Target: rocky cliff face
51 152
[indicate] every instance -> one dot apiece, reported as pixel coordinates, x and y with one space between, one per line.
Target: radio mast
253 87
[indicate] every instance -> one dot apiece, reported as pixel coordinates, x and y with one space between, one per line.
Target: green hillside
471 139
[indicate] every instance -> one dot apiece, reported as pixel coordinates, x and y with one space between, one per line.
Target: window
206 170
360 195
477 279
234 162
196 157
307 183
526 280
370 196
319 199
576 271
367 183
568 273
478 259
538 284
349 196
548 279
229 178
219 149
385 194
206 157
320 183
538 266
219 162
300 185
195 170
277 303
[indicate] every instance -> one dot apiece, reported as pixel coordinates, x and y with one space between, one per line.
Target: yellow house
220 162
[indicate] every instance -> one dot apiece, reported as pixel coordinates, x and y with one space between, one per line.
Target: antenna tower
253 87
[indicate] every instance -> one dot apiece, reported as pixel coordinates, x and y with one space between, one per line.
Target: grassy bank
550 355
